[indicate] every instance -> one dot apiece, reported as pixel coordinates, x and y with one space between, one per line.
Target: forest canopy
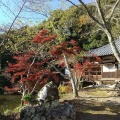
71 23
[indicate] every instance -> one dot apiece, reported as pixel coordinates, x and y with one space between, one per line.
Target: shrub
28 97
64 89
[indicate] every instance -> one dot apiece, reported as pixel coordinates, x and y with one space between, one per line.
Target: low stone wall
40 112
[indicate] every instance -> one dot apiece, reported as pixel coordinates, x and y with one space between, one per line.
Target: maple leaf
73 42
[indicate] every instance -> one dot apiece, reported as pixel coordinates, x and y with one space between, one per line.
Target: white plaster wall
109 68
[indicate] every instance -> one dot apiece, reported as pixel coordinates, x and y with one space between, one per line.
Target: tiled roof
104 50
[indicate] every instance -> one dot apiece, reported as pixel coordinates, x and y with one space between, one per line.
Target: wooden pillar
116 73
101 71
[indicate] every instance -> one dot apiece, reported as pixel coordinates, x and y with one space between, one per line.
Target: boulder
48 93
40 112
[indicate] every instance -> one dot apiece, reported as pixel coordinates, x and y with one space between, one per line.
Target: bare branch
59 71
7 7
72 3
33 61
2 43
33 10
113 9
37 84
6 14
100 11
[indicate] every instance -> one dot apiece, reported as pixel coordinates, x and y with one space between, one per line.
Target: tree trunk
103 23
112 45
71 77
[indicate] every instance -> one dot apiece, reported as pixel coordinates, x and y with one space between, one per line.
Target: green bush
28 97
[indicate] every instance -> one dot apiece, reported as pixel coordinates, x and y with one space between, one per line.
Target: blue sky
10 8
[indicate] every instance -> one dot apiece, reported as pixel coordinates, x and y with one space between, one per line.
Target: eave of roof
104 50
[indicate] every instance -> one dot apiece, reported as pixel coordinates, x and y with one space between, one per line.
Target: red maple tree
65 50
72 50
31 69
34 68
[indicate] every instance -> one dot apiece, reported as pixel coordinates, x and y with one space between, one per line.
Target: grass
97 93
93 102
15 110
9 103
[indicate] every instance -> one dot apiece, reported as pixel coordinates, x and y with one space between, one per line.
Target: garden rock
40 112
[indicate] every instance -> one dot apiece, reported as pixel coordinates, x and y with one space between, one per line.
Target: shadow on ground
95 110
90 116
10 117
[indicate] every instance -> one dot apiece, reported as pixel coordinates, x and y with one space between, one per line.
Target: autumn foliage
68 48
28 71
83 20
43 37
32 69
81 68
19 71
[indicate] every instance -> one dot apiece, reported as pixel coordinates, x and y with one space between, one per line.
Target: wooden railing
92 76
109 75
96 75
115 74
118 73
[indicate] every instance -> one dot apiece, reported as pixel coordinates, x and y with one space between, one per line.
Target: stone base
60 112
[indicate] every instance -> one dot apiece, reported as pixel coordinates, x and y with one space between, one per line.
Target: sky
10 8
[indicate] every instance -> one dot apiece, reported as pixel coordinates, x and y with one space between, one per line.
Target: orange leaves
11 90
23 80
20 73
43 32
65 47
22 62
37 39
84 19
27 72
55 77
98 59
62 64
43 81
73 42
78 66
76 48
56 51
86 66
22 57
42 37
64 44
78 69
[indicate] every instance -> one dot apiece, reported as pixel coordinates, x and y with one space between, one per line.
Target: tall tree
30 68
103 21
63 51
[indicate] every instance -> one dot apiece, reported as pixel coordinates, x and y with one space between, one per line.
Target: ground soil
96 105
92 104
